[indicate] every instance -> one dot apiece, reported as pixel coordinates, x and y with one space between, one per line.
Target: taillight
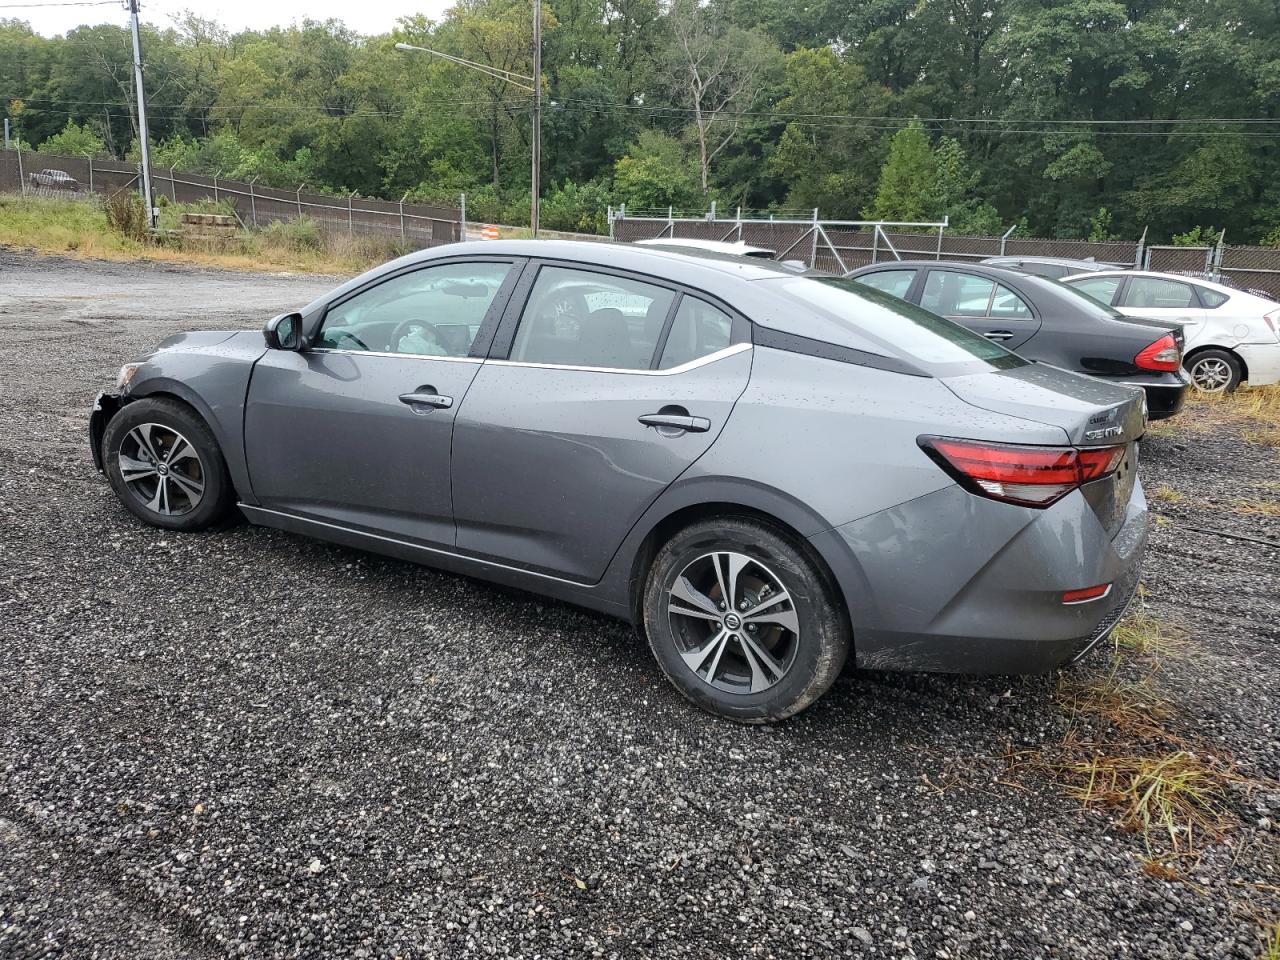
1161 355
1272 321
1012 473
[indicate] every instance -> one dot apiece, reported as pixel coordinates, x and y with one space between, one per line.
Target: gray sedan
765 472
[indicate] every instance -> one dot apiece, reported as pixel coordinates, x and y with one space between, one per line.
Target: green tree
906 178
656 173
75 140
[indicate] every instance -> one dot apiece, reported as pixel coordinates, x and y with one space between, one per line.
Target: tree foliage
1077 117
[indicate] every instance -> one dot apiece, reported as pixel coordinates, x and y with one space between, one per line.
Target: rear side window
896 282
1158 293
1102 289
1008 305
699 329
1211 298
952 294
584 319
898 328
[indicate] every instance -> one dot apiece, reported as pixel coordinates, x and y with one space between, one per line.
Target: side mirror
284 332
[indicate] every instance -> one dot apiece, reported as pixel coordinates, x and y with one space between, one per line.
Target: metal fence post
942 226
713 211
462 218
875 244
173 183
253 204
402 233
350 225
89 157
215 188
1007 234
813 247
1138 258
22 180
738 217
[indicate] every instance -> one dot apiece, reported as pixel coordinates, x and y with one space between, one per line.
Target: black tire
812 655
1210 366
162 419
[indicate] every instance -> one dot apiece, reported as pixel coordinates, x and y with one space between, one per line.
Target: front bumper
1262 361
105 406
954 583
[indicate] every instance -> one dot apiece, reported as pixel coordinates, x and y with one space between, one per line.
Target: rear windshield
853 315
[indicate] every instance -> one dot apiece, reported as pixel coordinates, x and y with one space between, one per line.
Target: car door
356 429
983 305
1162 298
602 388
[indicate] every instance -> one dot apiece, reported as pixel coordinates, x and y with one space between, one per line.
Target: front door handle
675 421
999 334
426 397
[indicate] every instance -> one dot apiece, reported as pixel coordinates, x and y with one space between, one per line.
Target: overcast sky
364 16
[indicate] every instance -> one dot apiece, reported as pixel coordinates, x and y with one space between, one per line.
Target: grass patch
1272 949
1255 409
81 228
1257 505
1166 494
1144 634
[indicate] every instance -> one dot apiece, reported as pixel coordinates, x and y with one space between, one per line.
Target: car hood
1089 411
196 339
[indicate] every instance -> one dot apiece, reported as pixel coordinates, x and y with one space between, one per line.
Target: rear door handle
676 422
423 398
999 334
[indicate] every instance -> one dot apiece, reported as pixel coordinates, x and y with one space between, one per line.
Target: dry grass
81 229
1144 634
1256 505
1255 409
1166 494
1271 951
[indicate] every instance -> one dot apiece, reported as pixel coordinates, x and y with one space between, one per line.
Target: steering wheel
403 327
336 336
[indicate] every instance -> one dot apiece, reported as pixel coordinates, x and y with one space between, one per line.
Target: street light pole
532 84
536 145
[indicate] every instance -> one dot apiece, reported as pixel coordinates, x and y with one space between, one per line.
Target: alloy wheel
1212 374
734 623
162 469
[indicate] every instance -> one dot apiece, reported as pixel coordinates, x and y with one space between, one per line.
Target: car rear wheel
1215 371
165 466
742 622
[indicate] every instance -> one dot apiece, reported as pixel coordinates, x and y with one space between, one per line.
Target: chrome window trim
398 356
728 351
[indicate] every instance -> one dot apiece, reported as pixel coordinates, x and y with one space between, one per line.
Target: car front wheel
165 466
1215 371
742 622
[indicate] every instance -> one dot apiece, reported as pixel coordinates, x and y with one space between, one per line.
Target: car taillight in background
1161 355
1272 320
1012 473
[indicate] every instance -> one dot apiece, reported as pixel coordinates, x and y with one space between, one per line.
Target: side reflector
1087 594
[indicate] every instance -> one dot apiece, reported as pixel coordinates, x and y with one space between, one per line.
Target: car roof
739 248
990 270
1066 261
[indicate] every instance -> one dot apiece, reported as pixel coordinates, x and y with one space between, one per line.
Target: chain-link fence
843 245
417 225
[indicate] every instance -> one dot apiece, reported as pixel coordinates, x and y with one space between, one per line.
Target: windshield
859 316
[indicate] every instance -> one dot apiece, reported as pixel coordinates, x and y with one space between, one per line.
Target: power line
68 3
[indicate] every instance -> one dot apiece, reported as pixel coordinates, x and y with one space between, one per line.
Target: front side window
699 329
583 319
896 282
952 294
1158 293
1102 289
433 312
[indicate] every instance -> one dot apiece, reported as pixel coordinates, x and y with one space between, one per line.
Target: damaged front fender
106 406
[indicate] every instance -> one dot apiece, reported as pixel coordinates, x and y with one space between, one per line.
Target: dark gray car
763 471
1046 321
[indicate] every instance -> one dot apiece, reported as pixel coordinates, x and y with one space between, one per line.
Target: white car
1232 336
738 249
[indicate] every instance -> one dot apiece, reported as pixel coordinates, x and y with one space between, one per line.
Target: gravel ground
249 744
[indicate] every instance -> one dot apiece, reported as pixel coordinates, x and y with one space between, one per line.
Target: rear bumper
1262 361
1164 400
955 583
105 407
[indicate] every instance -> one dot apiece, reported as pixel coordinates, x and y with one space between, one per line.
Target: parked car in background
1232 335
764 471
54 180
1053 267
737 248
1043 320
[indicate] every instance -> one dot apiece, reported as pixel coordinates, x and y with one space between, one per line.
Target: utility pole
144 136
537 117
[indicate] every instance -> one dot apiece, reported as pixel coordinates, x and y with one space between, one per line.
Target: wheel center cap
732 621
162 469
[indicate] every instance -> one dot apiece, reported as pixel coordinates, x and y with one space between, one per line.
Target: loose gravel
250 744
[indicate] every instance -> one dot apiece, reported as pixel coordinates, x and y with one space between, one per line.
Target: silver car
765 472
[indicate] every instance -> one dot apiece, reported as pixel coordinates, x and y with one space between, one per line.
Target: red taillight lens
1030 476
1087 594
1161 355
